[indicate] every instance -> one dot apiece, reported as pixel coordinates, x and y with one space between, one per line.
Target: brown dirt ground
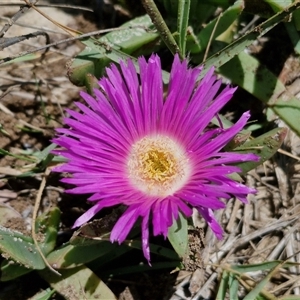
32 97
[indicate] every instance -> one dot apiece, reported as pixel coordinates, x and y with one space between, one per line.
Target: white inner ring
158 166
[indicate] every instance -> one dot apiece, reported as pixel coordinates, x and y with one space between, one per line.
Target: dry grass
32 97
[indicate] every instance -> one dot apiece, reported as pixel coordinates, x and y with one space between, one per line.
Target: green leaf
279 5
93 238
44 295
182 23
161 26
155 249
238 140
222 3
20 248
23 58
141 268
239 45
91 83
289 112
4 152
265 146
296 19
217 26
47 224
44 154
89 61
223 286
247 72
109 256
233 284
255 292
69 256
7 213
78 283
178 235
289 297
262 266
138 36
92 62
94 232
11 270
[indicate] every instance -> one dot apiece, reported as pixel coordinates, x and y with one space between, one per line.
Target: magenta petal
124 224
145 237
88 215
157 219
183 166
209 217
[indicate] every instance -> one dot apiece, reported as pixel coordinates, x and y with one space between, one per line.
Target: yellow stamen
158 166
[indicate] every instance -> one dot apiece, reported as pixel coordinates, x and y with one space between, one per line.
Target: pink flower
131 145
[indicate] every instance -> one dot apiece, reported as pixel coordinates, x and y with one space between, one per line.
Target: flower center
158 166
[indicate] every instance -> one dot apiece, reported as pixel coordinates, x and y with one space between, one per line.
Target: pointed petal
209 217
124 224
145 237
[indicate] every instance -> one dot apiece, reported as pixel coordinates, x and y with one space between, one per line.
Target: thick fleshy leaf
251 75
20 248
47 224
182 23
7 213
265 146
247 72
69 256
211 31
10 270
233 285
44 295
230 280
78 283
291 28
178 235
94 59
289 112
264 266
223 286
92 237
239 45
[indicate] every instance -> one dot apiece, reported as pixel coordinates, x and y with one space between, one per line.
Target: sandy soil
33 95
